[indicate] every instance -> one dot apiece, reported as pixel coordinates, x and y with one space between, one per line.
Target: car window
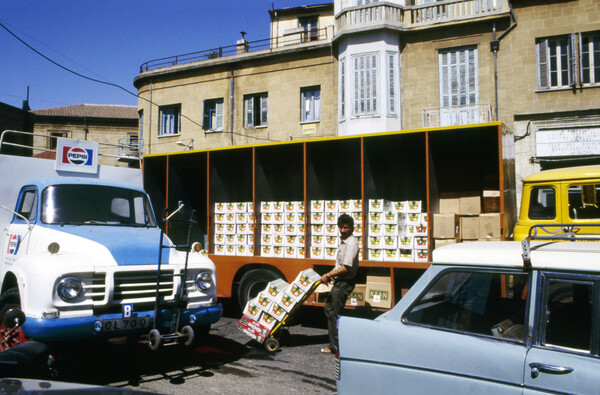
568 314
28 204
542 203
486 303
584 201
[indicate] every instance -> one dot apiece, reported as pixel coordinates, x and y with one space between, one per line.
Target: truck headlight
69 288
204 281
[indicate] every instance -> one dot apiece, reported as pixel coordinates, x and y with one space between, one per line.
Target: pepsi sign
13 244
76 156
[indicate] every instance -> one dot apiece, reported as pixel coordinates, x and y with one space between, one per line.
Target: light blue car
485 320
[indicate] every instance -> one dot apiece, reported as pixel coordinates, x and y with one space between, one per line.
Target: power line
111 84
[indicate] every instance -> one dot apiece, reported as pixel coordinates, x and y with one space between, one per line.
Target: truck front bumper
116 325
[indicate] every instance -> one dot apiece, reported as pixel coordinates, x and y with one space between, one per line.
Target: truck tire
253 282
10 300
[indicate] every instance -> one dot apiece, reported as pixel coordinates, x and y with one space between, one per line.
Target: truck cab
81 259
560 196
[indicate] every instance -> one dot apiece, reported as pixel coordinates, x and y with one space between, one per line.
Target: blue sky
108 40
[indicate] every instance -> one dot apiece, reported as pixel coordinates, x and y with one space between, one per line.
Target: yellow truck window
583 201
542 203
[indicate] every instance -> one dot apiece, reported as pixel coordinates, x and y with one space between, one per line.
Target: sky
108 40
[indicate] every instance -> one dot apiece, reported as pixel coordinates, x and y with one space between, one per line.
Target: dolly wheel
188 335
271 344
154 340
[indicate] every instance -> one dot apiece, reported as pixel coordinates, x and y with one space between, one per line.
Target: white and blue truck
84 257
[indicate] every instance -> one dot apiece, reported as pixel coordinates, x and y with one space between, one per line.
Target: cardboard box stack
379 291
356 297
282 229
234 229
324 234
397 231
262 313
467 217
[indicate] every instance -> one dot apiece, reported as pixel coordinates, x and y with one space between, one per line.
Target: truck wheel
10 300
252 283
154 340
189 337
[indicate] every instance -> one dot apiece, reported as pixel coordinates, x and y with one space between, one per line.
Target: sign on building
568 142
76 156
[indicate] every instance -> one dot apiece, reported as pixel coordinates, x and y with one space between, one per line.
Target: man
343 276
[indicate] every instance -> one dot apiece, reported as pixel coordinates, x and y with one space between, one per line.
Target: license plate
123 324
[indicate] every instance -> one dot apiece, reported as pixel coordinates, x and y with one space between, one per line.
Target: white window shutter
542 55
249 104
573 73
264 100
219 111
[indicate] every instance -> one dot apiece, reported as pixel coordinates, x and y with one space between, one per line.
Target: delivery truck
268 211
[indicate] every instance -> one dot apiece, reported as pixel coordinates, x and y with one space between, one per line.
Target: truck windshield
95 205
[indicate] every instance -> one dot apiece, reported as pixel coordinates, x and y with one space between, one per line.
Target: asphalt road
228 362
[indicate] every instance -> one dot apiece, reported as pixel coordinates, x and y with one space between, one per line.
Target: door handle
537 367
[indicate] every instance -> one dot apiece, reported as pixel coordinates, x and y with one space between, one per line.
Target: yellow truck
560 196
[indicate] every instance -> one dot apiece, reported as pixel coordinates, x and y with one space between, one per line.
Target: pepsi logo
77 156
13 244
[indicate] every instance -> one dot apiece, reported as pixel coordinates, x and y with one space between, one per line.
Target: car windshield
95 205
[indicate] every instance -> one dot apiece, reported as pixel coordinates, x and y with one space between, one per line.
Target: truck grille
132 287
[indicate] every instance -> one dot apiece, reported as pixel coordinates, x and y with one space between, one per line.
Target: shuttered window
256 110
458 77
590 58
213 115
170 120
557 62
391 82
342 85
365 72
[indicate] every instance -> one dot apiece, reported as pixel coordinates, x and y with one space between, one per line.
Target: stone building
113 127
365 66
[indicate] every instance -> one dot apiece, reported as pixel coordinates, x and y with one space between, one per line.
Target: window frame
535 188
314 97
256 108
541 314
592 63
210 106
468 88
365 84
392 74
175 128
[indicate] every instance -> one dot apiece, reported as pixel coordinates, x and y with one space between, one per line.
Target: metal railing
298 37
126 149
457 115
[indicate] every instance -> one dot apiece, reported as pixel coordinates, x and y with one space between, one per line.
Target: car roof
558 255
564 174
45 182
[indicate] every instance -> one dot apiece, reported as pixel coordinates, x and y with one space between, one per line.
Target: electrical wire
113 84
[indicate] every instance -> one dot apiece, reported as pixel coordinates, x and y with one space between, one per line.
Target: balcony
386 15
129 149
457 115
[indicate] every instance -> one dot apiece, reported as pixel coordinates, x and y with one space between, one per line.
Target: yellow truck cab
560 196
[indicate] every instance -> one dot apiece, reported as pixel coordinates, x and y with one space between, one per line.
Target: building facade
367 66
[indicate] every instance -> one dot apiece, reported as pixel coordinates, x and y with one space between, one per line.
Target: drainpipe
495 47
231 110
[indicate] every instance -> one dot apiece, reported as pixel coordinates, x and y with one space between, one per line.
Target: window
342 89
170 120
485 303
310 26
555 62
255 107
542 203
568 313
213 115
391 82
590 58
52 141
27 207
365 72
141 122
458 77
584 201
311 104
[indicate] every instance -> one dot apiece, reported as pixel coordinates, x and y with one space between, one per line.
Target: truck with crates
268 211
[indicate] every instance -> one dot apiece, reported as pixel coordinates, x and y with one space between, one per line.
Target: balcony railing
290 38
457 115
129 149
382 14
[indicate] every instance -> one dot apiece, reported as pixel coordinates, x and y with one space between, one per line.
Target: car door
464 334
564 357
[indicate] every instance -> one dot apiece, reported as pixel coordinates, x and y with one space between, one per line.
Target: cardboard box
375 254
406 255
491 201
420 243
331 230
446 226
376 229
330 253
489 226
469 228
252 309
317 217
376 205
332 206
390 255
264 301
267 320
437 243
470 205
379 291
322 291
287 301
449 203
317 206
253 328
344 206
317 252
331 218
357 296
306 278
421 255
